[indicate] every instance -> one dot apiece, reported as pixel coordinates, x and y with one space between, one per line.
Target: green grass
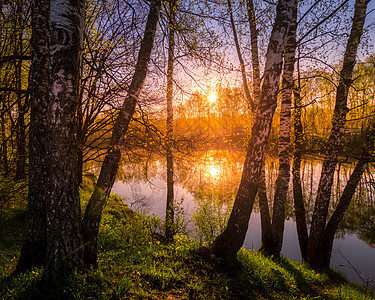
134 264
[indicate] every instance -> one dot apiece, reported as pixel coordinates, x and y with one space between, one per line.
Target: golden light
213 170
212 97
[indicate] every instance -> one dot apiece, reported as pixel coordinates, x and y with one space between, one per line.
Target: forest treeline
93 80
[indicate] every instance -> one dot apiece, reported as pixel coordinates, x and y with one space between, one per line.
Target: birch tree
169 213
231 240
272 239
64 238
315 251
97 202
34 246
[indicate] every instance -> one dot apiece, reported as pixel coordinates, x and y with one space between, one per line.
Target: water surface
215 175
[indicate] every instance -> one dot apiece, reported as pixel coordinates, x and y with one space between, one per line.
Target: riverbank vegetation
134 263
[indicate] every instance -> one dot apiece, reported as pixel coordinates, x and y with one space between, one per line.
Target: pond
212 178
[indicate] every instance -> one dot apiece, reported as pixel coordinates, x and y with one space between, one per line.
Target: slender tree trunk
231 240
21 140
282 181
111 162
21 108
239 54
315 244
33 250
266 224
169 214
64 234
4 146
267 231
254 52
272 234
268 234
299 206
265 217
347 195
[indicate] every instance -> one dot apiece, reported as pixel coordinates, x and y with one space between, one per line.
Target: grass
134 264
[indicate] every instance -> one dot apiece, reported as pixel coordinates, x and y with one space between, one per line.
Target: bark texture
169 213
254 51
64 238
231 240
33 250
22 105
272 239
265 217
111 162
315 243
299 207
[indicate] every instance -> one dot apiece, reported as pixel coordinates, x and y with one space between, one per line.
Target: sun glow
213 170
212 97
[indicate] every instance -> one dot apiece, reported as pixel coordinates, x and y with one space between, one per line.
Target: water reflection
209 180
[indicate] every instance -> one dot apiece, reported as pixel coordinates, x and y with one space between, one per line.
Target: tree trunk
268 234
64 236
315 244
21 140
231 240
111 162
266 225
239 54
4 146
282 181
265 217
21 108
347 195
299 206
254 52
169 214
33 250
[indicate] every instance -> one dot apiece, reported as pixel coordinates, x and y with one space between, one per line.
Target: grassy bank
134 264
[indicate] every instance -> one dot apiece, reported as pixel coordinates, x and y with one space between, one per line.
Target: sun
212 98
213 170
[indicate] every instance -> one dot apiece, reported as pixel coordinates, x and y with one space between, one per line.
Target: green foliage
12 226
19 286
133 264
210 216
12 193
121 228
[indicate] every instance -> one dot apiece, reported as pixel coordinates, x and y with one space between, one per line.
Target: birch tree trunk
169 213
64 238
240 58
266 225
231 240
315 244
265 217
254 52
282 181
33 250
111 162
347 195
299 207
